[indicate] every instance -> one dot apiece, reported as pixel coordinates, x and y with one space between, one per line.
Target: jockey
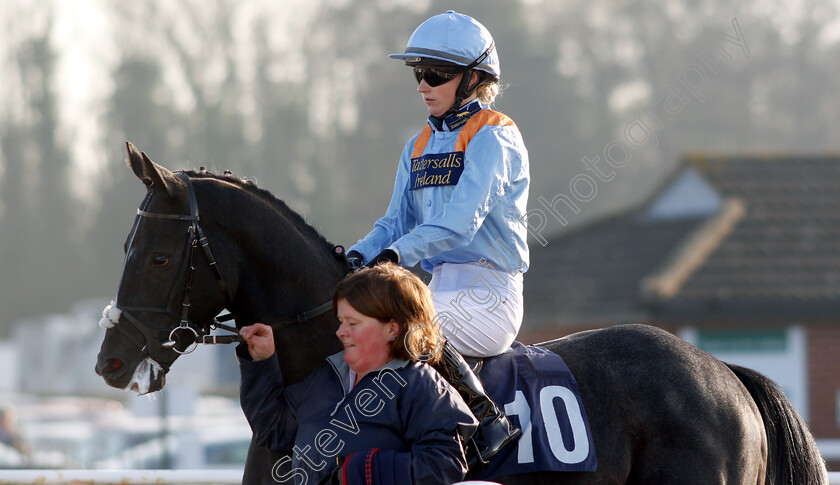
458 207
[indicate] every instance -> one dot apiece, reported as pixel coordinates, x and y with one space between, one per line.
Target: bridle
166 351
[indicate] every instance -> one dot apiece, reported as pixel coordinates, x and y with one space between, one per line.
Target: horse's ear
152 174
134 161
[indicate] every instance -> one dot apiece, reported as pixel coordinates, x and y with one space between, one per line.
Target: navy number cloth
536 390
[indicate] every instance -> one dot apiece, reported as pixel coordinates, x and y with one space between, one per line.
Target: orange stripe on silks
422 141
476 122
471 127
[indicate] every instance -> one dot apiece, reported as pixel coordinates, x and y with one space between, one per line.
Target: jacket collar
456 120
342 370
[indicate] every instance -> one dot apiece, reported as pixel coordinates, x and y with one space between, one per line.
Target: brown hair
389 292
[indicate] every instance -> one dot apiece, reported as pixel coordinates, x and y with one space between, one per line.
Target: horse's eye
161 260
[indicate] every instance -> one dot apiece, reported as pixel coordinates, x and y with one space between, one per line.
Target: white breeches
479 309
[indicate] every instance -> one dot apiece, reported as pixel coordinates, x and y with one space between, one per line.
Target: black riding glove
386 255
355 260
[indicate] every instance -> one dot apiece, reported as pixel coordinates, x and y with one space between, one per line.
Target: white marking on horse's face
110 316
145 374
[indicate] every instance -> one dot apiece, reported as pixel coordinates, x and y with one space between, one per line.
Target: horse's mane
249 186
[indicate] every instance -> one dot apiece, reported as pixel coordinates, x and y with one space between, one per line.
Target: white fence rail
108 477
144 477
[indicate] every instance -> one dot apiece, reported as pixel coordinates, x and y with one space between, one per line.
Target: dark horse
661 411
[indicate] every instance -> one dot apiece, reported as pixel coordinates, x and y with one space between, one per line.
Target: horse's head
168 267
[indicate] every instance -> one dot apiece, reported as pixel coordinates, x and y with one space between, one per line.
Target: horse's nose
108 366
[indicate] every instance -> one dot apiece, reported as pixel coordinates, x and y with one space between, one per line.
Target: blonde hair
389 292
486 93
487 88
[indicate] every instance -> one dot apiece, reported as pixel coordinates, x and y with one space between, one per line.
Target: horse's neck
305 282
284 278
286 270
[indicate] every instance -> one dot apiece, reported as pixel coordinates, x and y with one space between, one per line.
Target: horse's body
660 410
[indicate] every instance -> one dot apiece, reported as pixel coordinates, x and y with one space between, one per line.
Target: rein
301 318
165 352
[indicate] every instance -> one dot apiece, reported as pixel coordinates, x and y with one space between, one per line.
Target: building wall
824 371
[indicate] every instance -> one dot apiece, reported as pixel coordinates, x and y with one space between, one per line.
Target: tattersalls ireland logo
436 169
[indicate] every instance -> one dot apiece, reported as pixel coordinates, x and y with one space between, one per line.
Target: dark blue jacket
401 424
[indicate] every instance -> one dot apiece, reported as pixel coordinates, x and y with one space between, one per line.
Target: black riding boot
494 429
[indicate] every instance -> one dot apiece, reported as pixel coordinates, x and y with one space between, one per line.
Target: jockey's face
439 98
367 341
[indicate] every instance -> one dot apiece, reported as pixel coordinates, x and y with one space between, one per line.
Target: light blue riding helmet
454 38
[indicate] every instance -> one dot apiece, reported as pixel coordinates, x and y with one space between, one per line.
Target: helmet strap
464 90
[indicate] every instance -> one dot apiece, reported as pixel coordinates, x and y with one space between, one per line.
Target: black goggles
435 76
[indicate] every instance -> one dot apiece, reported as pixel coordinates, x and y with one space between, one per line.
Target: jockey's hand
260 340
355 260
385 255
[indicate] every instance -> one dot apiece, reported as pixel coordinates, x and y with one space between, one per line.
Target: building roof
728 237
592 276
